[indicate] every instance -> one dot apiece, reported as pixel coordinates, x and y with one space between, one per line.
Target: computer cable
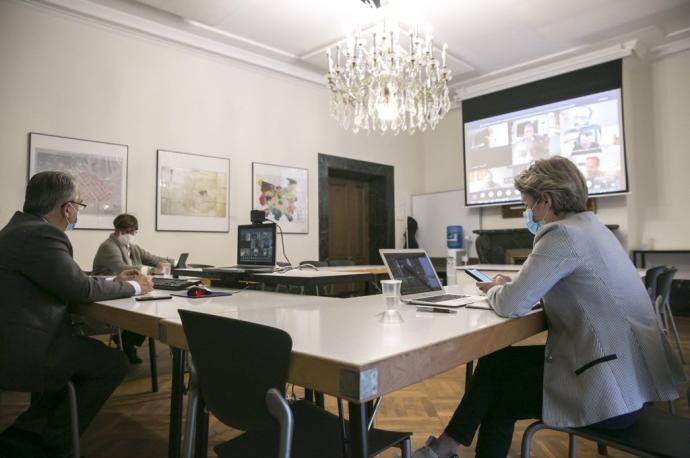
282 242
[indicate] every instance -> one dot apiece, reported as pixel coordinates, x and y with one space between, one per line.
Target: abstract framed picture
192 193
99 168
283 193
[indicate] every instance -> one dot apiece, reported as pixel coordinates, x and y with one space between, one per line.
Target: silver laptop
420 284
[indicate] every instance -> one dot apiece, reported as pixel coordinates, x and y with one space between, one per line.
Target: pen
435 310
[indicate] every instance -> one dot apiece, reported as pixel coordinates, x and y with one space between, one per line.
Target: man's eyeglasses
80 205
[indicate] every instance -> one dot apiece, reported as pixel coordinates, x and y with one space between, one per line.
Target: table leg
359 438
201 440
175 432
154 365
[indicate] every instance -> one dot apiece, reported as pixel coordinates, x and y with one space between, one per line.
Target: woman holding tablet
605 355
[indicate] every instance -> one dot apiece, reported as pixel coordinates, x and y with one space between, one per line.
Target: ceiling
486 39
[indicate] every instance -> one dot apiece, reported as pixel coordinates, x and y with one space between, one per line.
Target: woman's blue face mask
532 226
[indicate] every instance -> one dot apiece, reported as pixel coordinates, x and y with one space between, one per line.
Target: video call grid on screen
256 244
587 130
415 271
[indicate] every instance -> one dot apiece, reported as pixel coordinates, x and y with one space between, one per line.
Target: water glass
391 293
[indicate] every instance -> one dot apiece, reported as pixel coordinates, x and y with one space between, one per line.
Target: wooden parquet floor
134 422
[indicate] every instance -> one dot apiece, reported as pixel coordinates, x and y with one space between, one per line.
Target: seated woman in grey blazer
604 356
118 253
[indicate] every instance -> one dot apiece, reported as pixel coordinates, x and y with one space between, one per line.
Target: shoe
426 451
131 352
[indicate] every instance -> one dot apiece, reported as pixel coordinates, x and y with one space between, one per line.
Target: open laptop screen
256 244
415 271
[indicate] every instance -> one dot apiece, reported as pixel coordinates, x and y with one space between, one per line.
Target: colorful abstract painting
283 193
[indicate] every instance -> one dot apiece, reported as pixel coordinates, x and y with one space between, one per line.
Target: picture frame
100 169
192 192
283 193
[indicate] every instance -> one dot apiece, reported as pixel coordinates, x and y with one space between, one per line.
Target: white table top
335 337
351 331
311 273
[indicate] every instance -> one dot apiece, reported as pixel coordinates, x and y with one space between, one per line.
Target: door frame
381 200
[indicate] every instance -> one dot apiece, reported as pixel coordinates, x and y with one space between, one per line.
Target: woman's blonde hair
559 178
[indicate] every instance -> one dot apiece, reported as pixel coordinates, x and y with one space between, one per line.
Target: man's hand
127 275
160 267
145 283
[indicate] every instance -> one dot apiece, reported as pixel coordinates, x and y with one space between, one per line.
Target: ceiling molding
511 77
670 48
102 14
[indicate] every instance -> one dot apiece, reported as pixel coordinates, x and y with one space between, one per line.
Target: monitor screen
588 130
415 271
256 244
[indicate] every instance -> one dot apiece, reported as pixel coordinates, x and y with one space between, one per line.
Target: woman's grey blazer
605 354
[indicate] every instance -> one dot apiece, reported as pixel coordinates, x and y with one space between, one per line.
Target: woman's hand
499 279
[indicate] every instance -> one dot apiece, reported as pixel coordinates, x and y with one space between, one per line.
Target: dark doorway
356 209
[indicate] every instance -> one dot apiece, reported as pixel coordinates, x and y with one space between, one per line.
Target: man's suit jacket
112 257
39 280
605 354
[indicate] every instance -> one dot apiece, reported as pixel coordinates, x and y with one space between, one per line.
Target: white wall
71 77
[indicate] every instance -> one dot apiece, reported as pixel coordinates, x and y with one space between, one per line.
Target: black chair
655 434
240 372
663 306
651 278
73 412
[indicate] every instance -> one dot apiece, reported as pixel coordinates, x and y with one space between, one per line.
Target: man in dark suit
39 352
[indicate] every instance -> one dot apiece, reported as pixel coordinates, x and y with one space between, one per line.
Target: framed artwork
192 192
100 170
283 193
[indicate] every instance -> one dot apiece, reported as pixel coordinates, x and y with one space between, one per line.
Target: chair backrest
651 280
315 263
664 283
341 262
237 362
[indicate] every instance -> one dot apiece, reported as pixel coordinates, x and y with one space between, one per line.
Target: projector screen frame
579 84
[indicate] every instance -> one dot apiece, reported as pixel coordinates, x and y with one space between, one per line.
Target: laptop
420 284
256 247
182 261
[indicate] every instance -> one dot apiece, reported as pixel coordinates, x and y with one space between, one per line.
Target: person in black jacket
39 351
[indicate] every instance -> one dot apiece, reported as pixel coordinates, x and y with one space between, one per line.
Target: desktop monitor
256 244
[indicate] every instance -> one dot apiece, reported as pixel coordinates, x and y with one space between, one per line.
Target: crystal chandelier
385 86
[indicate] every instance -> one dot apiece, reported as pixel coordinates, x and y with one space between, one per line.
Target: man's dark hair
125 222
47 191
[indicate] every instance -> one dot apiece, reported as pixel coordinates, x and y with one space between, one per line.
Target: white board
435 211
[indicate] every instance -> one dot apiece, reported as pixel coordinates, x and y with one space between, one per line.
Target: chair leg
527 438
74 418
154 365
572 446
675 331
120 344
406 448
192 402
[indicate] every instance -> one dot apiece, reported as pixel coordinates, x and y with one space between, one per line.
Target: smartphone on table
478 275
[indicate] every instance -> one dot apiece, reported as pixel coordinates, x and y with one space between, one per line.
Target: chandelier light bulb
385 85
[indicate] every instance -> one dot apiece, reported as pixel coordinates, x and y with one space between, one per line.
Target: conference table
349 348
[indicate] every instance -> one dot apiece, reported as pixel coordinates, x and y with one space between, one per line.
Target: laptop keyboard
172 284
442 298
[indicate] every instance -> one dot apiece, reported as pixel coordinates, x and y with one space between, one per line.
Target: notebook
420 284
